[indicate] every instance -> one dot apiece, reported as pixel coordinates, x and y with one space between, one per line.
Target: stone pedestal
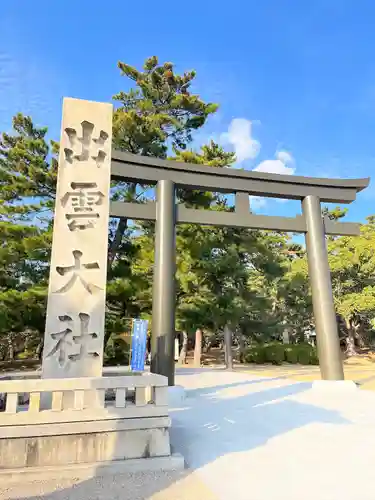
142 439
132 425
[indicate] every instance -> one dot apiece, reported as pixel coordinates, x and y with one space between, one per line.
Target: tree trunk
350 346
350 340
121 228
198 347
39 350
242 347
360 335
10 348
286 338
207 343
301 338
184 348
116 242
228 347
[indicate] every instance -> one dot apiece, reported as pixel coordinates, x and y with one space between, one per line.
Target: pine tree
159 114
27 182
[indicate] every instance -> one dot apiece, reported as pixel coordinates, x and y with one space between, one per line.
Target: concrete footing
60 449
95 469
334 385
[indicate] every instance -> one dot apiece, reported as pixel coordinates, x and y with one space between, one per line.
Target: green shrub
275 353
314 360
304 355
291 354
24 355
256 355
116 351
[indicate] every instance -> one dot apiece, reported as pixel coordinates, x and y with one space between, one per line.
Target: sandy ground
359 370
257 433
252 437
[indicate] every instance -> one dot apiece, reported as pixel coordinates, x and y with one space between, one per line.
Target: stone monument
74 335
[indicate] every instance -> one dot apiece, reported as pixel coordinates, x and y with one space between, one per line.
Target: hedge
275 353
117 351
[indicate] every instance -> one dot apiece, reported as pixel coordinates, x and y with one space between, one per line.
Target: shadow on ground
213 422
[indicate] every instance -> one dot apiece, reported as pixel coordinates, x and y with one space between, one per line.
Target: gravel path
147 486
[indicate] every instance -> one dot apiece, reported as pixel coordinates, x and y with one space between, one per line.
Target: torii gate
74 334
169 175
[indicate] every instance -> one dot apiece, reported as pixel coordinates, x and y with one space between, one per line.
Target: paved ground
248 436
359 370
256 438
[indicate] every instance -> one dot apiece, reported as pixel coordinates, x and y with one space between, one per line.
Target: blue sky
295 80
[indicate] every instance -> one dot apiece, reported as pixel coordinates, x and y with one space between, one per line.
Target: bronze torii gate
169 175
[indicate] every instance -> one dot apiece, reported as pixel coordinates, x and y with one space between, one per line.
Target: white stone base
334 385
89 470
176 395
82 448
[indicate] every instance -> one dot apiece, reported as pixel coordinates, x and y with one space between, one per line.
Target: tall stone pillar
74 334
164 294
320 279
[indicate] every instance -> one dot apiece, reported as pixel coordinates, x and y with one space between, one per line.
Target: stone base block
334 385
89 470
80 448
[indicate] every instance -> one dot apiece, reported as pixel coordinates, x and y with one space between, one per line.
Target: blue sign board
139 341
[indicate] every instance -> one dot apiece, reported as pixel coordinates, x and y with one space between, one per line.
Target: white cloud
285 157
274 167
239 135
284 164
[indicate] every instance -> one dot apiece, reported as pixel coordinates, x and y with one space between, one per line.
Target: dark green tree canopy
255 282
